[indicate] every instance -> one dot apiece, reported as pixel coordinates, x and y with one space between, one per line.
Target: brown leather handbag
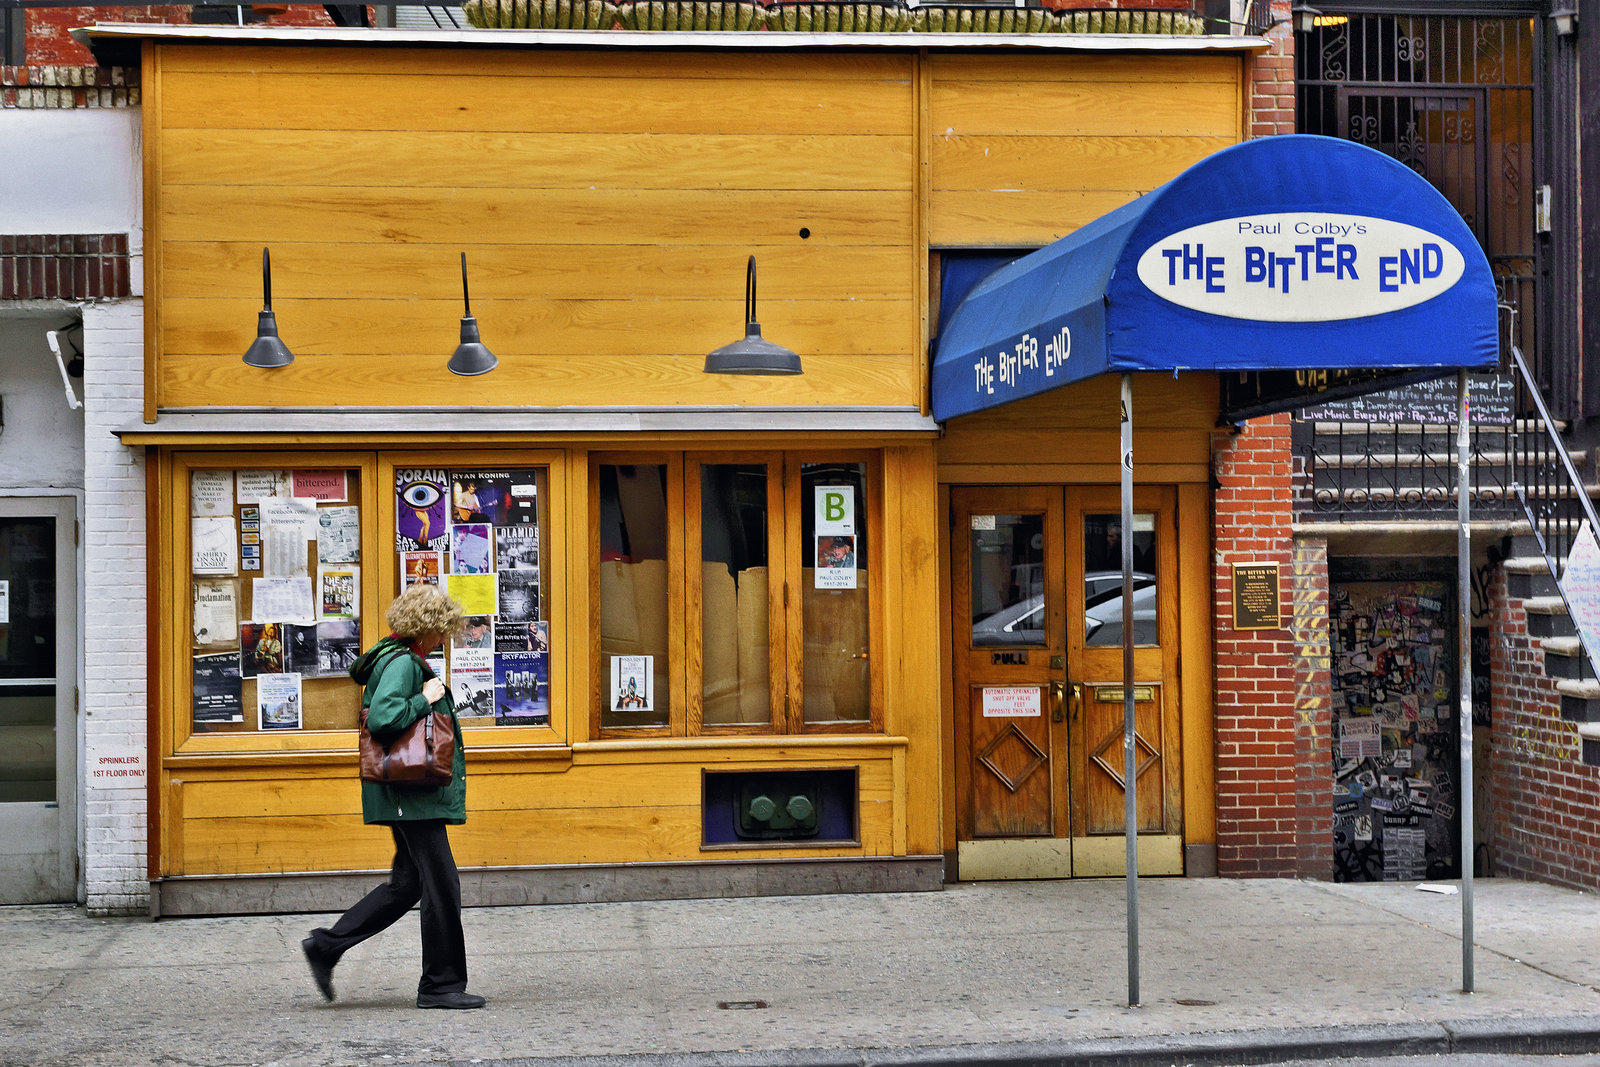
423 755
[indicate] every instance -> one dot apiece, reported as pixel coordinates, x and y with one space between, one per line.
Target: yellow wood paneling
548 328
292 100
1068 110
914 680
606 813
543 380
1017 218
1096 164
1198 680
1028 149
458 217
632 160
221 270
1079 67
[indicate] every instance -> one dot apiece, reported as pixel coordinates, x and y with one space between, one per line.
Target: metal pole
1130 788
1464 671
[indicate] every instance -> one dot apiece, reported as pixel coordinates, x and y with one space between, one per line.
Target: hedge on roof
710 15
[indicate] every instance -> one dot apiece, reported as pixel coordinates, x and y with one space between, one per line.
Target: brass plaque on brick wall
1257 597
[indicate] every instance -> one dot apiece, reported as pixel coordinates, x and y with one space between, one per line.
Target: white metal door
38 680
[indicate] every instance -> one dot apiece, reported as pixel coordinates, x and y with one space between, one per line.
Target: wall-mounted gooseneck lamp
267 350
472 356
752 354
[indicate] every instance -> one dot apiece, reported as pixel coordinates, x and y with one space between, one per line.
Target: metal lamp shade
752 354
267 350
472 356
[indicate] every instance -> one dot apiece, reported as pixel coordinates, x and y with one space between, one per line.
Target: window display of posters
218 689
329 487
476 593
216 614
282 600
477 633
211 493
521 689
289 523
250 539
435 663
421 510
836 562
338 645
517 547
424 567
471 548
300 648
261 649
339 592
338 535
278 701
255 486
633 683
472 680
498 498
519 596
213 546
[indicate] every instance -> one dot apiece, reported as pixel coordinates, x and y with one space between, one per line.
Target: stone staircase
1528 578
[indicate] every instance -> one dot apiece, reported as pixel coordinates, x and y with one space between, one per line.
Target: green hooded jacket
393 675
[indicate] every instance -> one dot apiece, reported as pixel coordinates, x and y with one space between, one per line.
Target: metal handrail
1575 486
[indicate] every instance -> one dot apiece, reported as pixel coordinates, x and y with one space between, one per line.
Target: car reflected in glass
1023 622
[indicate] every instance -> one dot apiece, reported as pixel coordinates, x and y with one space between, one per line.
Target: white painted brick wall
115 650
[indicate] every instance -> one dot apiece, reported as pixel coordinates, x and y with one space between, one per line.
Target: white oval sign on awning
1300 267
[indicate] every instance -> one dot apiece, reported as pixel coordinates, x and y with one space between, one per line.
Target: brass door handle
1077 699
1058 694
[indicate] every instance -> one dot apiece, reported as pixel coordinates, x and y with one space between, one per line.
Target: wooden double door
1037 615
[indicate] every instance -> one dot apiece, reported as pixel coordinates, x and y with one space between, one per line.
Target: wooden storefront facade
606 198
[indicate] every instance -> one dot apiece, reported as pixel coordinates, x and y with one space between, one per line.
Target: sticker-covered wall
1395 757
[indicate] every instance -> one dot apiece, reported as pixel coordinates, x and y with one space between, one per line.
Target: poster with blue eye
422 510
521 688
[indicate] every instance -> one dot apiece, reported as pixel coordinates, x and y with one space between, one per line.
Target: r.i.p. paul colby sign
1283 253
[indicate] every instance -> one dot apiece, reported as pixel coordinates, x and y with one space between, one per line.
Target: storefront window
735 645
276 612
476 532
1102 579
1008 580
833 594
735 596
633 596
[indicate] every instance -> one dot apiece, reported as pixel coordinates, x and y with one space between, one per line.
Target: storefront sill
552 758
192 426
258 894
765 742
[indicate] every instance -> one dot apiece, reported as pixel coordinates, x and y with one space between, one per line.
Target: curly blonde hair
422 610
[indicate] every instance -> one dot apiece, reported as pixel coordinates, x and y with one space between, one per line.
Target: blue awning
1284 253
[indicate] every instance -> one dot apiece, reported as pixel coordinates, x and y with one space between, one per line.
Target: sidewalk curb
1528 1036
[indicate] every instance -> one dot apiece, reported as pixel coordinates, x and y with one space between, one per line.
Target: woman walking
400 689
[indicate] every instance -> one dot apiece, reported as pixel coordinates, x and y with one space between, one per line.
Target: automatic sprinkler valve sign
1301 267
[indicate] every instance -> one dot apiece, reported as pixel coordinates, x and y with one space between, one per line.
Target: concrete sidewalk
1020 973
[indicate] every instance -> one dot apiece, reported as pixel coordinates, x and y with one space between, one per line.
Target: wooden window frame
785 564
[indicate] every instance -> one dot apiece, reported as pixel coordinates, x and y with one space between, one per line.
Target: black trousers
425 870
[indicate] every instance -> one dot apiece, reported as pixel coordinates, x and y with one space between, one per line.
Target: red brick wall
48 43
1543 804
1272 78
1258 768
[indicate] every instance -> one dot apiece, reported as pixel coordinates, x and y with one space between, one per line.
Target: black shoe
449 1000
321 967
